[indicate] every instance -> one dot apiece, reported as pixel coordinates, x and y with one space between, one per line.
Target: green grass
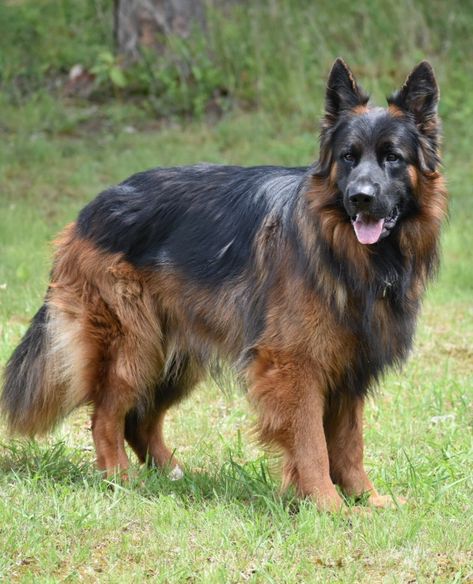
225 522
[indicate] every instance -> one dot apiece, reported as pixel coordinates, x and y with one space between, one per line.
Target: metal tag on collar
387 285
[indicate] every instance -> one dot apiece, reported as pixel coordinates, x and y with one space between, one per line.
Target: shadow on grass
249 484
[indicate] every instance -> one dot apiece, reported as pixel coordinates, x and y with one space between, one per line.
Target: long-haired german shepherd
308 280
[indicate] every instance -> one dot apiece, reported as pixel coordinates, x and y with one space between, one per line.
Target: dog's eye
348 157
392 157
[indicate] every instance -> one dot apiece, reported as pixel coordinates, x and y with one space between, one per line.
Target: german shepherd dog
307 280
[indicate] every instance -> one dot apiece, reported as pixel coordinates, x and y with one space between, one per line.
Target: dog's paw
385 502
176 474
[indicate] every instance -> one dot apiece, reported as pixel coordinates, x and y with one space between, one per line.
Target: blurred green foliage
41 41
269 54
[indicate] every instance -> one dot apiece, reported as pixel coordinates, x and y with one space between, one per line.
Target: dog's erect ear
419 97
343 92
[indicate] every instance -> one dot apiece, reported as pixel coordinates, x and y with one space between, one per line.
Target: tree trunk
144 23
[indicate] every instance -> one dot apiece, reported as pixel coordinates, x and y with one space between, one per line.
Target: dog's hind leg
121 377
144 430
123 383
145 434
108 426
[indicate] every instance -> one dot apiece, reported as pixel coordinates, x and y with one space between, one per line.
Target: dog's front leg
344 434
290 402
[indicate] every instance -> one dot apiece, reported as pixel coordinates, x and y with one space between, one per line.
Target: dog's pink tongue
368 230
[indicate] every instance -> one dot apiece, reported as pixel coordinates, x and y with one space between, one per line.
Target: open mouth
369 229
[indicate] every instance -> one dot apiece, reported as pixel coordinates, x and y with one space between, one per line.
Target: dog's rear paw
176 474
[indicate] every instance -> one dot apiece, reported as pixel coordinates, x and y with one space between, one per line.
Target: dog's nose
362 196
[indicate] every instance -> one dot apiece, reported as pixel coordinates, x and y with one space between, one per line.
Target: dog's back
201 219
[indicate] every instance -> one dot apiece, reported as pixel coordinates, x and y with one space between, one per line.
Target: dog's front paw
385 501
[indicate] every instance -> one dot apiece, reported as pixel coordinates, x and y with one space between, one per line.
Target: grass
225 522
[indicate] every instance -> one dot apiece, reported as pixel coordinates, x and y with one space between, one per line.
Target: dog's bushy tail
32 399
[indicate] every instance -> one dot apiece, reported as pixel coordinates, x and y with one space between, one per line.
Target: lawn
225 521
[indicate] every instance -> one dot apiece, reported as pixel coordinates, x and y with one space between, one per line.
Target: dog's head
373 154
